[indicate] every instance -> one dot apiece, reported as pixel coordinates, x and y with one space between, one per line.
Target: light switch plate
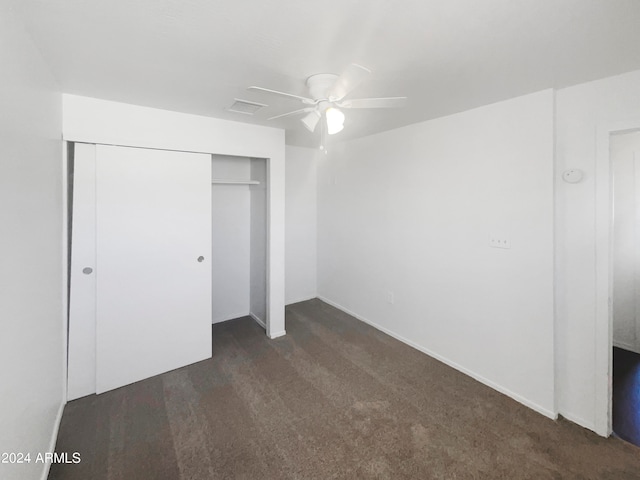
391 298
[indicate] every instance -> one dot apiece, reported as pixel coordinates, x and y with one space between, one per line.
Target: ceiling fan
327 97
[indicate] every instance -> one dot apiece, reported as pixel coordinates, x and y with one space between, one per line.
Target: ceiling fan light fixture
310 120
335 120
328 96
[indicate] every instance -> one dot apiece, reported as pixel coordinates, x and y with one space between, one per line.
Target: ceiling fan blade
310 101
387 102
347 81
295 112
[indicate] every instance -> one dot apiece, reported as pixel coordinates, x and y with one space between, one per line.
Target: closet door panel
153 302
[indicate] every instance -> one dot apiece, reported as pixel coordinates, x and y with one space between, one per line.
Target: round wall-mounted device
573 175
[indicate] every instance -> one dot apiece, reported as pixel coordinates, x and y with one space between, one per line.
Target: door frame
91 120
604 272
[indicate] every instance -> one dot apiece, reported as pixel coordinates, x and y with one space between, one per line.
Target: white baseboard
229 317
301 300
581 421
54 439
258 320
281 333
534 406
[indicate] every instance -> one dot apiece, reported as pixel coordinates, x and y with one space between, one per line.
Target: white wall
99 121
404 222
301 223
625 162
583 112
258 241
31 284
230 230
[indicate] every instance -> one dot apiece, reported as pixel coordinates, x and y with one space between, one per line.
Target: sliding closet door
81 379
153 242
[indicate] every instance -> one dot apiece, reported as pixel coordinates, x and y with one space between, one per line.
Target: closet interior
163 244
239 240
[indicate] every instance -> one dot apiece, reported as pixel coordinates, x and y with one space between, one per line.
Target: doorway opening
239 238
624 159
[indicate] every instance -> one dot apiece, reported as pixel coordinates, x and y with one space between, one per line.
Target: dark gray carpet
335 398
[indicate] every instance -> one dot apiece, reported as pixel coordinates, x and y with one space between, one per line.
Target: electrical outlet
499 241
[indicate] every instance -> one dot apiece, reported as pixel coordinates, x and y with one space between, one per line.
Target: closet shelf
221 181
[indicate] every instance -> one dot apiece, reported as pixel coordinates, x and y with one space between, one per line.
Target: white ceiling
196 56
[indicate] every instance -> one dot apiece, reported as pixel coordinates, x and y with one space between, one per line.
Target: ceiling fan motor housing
319 84
327 92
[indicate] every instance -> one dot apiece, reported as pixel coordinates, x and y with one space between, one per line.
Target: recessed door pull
200 258
87 270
